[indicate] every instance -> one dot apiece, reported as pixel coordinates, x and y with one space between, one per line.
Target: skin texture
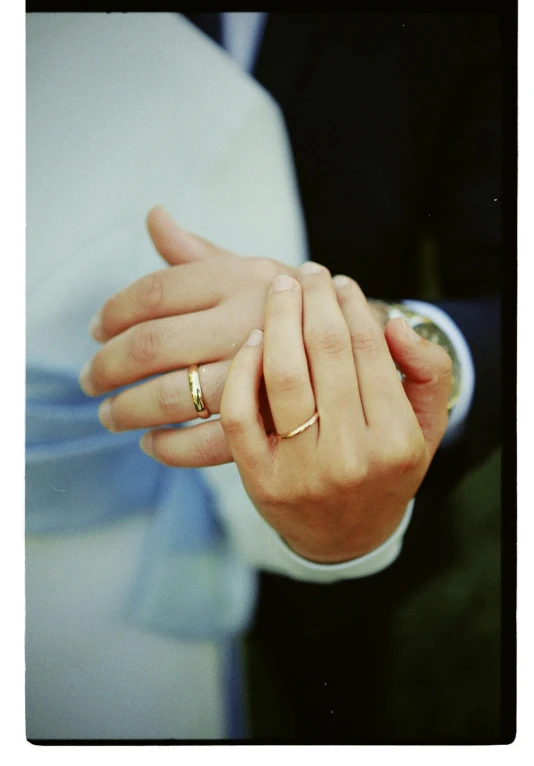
200 310
334 492
340 488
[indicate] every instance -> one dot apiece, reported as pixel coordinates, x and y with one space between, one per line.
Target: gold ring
196 391
301 428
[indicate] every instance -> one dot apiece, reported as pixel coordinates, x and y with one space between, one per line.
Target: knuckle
266 269
412 455
168 396
143 344
350 470
231 421
151 291
365 340
328 339
286 380
405 452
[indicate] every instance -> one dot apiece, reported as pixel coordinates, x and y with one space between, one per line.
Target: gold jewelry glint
300 429
196 391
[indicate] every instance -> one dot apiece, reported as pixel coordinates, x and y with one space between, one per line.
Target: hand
340 488
200 311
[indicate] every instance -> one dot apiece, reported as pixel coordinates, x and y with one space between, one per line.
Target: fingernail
95 327
409 331
255 338
340 280
147 444
311 268
105 413
283 282
85 380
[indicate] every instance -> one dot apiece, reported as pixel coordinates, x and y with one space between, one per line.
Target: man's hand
339 488
199 311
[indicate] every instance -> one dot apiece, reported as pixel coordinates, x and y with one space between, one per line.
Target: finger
176 245
381 392
240 414
159 346
161 294
163 400
329 352
428 378
193 447
285 367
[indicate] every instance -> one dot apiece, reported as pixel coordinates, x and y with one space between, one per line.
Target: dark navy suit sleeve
466 226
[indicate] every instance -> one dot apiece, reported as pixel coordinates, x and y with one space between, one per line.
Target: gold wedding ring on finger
196 391
314 418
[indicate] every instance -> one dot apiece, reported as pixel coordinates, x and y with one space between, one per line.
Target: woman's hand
338 489
199 311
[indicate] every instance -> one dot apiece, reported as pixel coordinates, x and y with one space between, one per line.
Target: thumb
176 245
427 370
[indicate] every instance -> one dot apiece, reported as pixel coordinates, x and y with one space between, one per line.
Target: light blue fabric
97 162
189 581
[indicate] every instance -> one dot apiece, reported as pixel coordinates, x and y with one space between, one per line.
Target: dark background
469 696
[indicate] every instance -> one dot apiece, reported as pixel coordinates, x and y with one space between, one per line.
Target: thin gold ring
196 391
301 428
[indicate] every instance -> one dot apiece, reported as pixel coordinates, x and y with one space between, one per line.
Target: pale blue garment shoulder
125 111
129 123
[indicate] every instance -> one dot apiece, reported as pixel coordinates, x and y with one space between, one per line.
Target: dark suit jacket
396 135
395 126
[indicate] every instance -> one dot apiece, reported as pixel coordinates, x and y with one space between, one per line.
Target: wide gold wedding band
314 418
196 391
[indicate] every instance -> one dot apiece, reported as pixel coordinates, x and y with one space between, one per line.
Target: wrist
360 562
340 548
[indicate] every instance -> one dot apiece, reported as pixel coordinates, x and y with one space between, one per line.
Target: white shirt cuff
283 560
467 368
257 543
